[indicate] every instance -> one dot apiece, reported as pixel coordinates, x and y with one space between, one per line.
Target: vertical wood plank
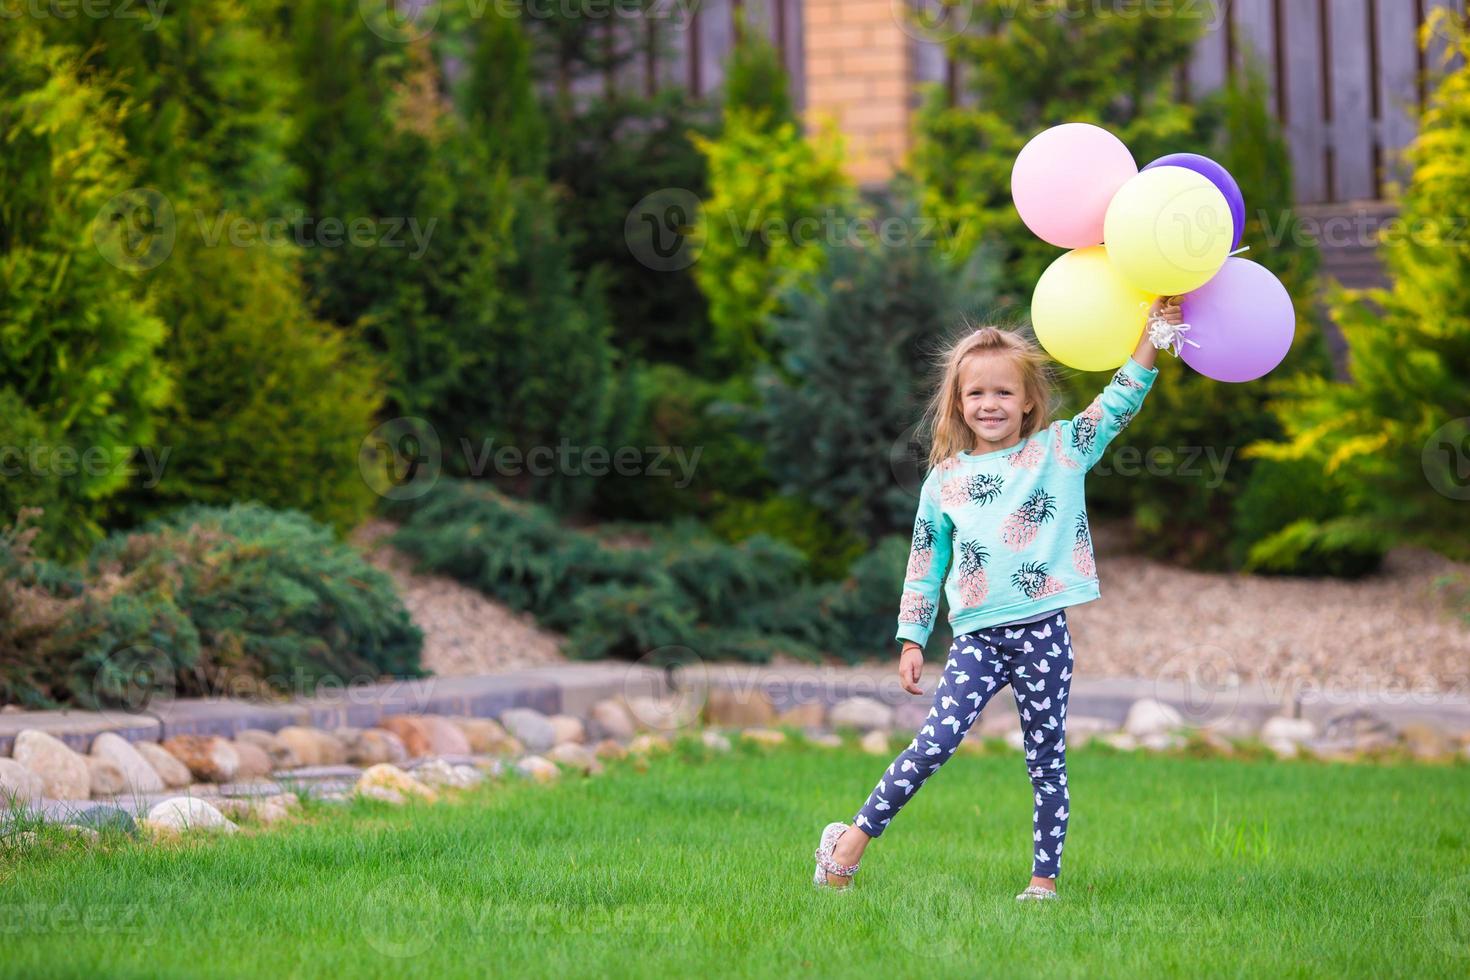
1207 67
1438 45
1351 133
760 17
716 38
1255 21
1302 41
1398 86
795 52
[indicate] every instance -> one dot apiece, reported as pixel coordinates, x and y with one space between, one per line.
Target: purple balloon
1243 321
1216 175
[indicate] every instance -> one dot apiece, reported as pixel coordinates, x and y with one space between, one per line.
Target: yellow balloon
1168 230
1085 314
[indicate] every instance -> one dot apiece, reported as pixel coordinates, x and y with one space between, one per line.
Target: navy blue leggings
1036 660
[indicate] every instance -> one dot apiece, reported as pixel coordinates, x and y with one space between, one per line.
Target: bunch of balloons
1170 229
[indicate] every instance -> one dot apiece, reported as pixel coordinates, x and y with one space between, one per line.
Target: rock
388 776
576 755
255 762
268 813
232 808
287 801
445 738
1425 741
647 742
715 740
282 755
382 794
412 732
825 740
812 714
312 746
1016 739
611 748
156 831
764 736
1162 741
568 728
612 718
1122 741
539 769
138 775
1232 726
663 714
437 772
209 758
107 818
64 773
173 772
485 735
20 784
86 834
744 708
1352 732
1082 729
1282 748
531 727
910 715
863 713
189 813
371 746
876 743
1216 741
1147 716
493 768
1282 728
107 777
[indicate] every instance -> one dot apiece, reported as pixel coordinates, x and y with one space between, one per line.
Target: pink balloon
1064 180
1243 321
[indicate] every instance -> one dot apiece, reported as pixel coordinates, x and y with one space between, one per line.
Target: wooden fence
1347 76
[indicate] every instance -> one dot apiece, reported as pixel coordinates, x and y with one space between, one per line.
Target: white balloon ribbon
1168 336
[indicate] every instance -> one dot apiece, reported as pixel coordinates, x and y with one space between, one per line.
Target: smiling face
993 400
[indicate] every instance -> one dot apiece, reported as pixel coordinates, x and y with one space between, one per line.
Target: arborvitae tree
77 341
1186 510
208 91
858 344
755 79
606 161
499 96
1393 440
1066 61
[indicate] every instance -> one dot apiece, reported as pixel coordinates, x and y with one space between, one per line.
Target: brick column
857 72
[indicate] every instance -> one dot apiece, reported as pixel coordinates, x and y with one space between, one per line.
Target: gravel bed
1392 633
464 631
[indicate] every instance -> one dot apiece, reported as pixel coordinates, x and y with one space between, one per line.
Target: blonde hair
944 417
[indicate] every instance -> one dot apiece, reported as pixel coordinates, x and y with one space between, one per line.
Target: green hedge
241 600
684 588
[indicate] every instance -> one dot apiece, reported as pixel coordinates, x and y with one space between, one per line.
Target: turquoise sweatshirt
1014 521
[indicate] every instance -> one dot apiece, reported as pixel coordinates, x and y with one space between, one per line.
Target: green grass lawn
1173 865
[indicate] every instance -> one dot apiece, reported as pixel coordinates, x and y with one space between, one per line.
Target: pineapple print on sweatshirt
1082 548
1004 534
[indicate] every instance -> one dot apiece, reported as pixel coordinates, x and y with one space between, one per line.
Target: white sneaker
1035 893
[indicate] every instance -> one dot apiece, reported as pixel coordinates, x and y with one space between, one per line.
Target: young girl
1002 510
